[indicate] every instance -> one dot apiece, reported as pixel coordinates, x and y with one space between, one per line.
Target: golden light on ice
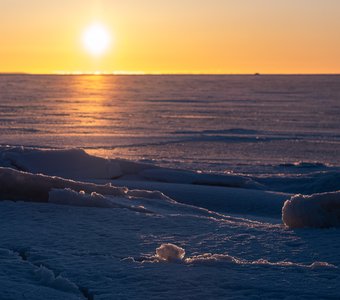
96 39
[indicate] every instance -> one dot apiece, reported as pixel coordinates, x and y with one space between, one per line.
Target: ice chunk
170 252
317 210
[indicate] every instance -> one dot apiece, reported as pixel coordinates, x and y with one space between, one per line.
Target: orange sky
173 36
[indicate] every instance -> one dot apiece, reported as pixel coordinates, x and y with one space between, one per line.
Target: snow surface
160 233
107 254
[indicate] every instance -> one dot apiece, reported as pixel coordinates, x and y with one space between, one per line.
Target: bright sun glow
96 39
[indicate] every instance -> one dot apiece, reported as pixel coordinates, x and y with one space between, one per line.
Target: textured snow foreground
115 229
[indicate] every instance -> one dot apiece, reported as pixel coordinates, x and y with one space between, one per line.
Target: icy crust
77 164
18 185
73 198
317 210
187 177
22 186
172 253
310 183
243 194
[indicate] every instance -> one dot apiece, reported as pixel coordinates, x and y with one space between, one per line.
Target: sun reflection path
90 105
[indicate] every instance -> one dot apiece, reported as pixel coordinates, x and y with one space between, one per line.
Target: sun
96 39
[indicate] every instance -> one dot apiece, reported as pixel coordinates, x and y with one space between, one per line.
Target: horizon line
140 73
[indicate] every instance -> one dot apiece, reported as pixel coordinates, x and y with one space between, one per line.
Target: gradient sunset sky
172 36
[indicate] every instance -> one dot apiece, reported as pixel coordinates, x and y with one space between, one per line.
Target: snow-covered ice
106 238
203 187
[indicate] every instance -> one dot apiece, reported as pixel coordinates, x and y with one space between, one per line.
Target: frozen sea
208 123
176 187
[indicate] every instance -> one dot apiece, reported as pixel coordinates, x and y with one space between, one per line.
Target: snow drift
172 253
317 210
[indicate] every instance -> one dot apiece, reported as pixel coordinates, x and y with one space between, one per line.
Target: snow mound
317 210
70 163
321 264
170 252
